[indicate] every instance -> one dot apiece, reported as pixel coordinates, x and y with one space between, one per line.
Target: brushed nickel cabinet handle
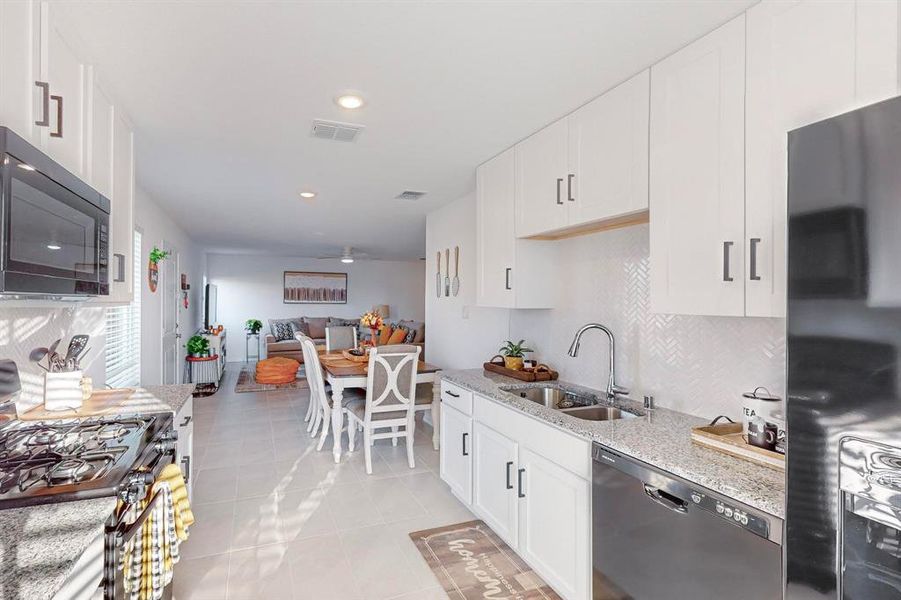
465 451
754 275
44 121
569 187
559 183
507 278
519 491
509 475
59 117
726 249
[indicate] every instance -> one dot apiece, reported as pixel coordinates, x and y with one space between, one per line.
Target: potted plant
253 326
513 354
153 269
198 346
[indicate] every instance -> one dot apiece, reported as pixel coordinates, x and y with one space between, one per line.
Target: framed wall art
309 287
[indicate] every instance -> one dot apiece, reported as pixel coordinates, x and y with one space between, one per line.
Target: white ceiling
222 95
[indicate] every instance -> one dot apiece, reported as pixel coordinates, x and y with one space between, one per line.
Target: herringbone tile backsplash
698 365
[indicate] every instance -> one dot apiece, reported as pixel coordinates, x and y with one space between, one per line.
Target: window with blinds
123 333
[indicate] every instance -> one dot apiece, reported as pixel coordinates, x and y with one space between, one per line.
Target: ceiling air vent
333 130
410 195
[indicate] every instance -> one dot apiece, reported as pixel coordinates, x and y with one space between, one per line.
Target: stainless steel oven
656 536
54 228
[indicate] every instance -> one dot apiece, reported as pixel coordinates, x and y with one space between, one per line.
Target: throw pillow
397 336
317 326
411 336
299 327
283 330
418 327
385 334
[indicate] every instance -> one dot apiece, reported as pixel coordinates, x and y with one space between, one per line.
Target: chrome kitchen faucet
612 388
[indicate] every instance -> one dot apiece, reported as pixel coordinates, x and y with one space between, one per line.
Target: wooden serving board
346 354
727 438
101 402
522 375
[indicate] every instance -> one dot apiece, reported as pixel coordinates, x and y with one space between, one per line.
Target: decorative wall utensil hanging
153 269
455 284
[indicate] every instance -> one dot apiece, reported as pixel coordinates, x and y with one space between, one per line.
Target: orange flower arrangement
373 321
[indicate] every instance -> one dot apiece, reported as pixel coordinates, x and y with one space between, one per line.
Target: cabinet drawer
456 396
567 450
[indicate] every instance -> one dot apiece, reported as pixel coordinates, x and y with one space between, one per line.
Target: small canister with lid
759 405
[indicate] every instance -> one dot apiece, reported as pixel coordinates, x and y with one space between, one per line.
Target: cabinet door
554 524
184 421
100 140
798 74
64 71
19 69
496 250
541 169
456 452
494 481
608 154
122 215
697 176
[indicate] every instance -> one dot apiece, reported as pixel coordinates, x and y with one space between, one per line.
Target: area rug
472 562
247 383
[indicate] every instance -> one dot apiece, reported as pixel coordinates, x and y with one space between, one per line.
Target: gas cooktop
55 461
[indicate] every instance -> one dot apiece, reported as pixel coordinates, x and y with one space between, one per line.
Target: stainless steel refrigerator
843 525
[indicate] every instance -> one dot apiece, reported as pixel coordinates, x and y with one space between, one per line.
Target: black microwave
829 254
54 228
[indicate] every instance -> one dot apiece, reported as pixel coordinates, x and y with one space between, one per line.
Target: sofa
280 340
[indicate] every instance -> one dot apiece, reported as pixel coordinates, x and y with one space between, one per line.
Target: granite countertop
39 545
660 437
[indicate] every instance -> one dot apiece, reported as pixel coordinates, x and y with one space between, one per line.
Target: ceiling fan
347 256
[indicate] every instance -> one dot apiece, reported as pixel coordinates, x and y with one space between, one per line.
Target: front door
169 284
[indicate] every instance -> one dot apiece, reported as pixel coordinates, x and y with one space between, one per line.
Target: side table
247 347
202 370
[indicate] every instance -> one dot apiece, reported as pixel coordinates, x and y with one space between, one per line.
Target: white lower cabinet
184 424
530 483
494 475
456 455
554 524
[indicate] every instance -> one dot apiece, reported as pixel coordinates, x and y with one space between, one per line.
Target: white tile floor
278 520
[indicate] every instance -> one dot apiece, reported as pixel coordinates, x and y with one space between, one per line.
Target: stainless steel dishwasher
656 535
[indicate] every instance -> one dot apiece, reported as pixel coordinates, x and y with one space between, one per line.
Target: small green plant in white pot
513 354
198 346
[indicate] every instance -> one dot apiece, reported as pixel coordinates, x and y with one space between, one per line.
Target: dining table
342 373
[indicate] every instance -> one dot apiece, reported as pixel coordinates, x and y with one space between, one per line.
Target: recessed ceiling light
26 167
308 194
53 247
347 260
349 101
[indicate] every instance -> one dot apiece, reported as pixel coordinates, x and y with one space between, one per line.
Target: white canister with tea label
759 403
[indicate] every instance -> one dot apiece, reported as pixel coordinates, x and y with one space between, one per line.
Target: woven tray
727 438
346 354
539 373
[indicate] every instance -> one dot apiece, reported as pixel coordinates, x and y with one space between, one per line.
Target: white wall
158 229
459 335
250 286
698 365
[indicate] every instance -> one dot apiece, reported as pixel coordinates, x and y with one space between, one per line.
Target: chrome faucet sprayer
612 388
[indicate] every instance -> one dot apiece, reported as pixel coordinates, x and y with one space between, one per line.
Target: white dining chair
389 402
342 337
323 409
309 418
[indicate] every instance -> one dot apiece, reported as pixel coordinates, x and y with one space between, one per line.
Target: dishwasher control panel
731 513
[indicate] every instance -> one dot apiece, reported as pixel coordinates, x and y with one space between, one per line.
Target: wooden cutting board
101 402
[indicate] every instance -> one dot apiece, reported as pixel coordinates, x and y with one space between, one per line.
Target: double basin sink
571 403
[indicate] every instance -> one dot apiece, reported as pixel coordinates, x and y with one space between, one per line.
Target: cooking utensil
447 274
456 282
438 276
38 354
76 346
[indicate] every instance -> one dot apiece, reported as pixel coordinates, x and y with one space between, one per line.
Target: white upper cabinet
100 139
697 176
511 273
608 154
541 174
19 67
122 215
496 238
807 61
64 139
